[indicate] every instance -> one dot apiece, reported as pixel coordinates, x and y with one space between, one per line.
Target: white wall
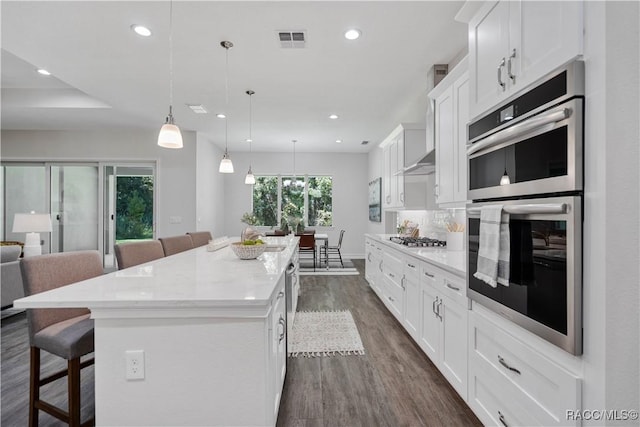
176 169
374 160
210 206
350 191
611 227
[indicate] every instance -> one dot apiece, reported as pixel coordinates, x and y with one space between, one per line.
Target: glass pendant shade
505 180
170 136
226 166
250 179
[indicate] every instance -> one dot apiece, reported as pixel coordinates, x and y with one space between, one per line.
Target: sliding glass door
129 206
74 207
92 205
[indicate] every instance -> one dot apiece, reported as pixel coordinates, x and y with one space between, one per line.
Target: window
279 199
265 200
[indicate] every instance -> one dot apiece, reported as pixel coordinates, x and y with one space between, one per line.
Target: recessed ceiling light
43 72
339 141
248 140
352 34
198 109
333 116
141 30
221 116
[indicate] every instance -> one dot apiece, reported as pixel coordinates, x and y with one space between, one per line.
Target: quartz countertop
452 261
194 278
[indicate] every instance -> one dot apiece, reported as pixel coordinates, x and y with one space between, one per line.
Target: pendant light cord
250 122
170 57
226 86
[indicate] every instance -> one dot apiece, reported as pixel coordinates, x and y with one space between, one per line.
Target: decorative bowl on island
244 251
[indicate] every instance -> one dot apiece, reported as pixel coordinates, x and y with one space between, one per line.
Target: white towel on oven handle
494 251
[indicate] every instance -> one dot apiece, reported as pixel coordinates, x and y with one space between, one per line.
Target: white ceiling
104 75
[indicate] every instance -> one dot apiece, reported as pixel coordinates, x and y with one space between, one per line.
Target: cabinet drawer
455 288
545 386
392 262
412 269
491 403
430 275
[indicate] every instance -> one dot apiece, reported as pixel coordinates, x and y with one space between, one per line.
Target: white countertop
452 261
195 278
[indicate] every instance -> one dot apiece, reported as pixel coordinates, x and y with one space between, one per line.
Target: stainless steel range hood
426 165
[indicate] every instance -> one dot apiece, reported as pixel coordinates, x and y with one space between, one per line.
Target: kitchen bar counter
452 261
212 329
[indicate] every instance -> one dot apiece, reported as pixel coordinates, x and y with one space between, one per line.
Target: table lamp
32 224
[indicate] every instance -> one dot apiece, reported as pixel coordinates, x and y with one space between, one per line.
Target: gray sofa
11 277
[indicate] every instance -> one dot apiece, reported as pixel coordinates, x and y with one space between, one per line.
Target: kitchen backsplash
432 223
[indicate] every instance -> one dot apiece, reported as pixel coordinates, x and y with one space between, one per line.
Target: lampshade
226 166
31 223
250 179
505 180
170 136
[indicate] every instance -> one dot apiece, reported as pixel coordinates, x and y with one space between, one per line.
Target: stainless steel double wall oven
527 154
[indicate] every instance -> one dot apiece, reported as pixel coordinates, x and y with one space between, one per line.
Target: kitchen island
209 329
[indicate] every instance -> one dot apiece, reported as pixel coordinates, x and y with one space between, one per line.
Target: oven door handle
519 129
543 208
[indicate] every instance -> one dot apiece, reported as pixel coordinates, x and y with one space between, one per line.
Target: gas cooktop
418 241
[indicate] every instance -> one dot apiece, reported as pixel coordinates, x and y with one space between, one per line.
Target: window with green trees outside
278 200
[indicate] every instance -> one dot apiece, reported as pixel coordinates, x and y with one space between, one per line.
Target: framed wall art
375 206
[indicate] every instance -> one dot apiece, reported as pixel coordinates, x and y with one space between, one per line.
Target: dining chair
306 246
64 332
134 253
333 252
200 238
176 244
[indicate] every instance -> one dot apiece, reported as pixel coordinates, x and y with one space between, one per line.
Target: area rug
335 268
324 333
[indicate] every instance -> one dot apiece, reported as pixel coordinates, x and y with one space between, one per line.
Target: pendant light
170 136
226 166
505 180
294 182
250 179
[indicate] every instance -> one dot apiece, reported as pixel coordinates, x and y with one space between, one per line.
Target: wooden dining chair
200 238
306 246
176 244
134 253
64 332
333 252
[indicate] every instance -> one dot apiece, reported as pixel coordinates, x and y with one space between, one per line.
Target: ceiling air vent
440 71
292 39
364 142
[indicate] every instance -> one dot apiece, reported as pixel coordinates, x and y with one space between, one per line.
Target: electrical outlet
135 364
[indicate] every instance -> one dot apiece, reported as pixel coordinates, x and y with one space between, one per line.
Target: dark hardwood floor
394 384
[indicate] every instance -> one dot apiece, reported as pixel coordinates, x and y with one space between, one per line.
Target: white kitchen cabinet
512 382
400 149
278 333
443 335
451 98
373 265
514 43
412 302
392 267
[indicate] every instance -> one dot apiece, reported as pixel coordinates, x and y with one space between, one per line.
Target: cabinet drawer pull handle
281 322
511 75
455 288
369 257
438 310
501 418
391 299
503 363
280 295
402 281
411 266
429 275
500 82
380 266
